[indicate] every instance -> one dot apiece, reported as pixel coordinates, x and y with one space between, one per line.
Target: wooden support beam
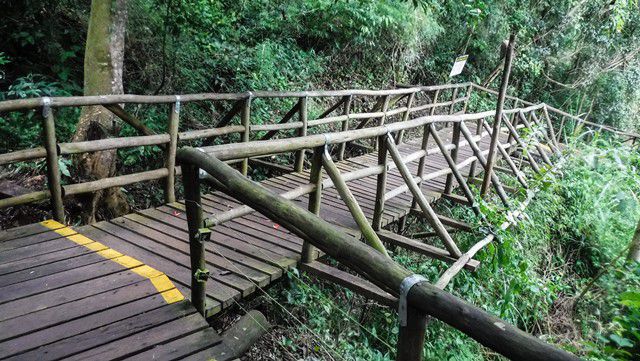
298 164
129 119
452 165
541 151
411 336
472 168
507 157
422 248
358 215
199 274
315 199
491 157
516 136
429 213
345 124
381 185
245 118
295 109
53 170
283 169
455 140
405 117
170 154
484 163
354 283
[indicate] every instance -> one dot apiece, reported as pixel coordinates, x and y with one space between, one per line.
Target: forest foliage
575 54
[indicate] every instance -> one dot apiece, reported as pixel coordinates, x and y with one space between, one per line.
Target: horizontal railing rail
387 111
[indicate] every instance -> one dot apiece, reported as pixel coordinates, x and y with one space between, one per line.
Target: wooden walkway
116 289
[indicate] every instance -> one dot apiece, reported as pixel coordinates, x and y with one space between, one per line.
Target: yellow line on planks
159 280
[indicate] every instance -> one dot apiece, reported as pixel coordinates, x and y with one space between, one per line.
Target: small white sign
458 65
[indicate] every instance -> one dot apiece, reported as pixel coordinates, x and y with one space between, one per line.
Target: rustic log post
411 336
514 121
489 330
454 96
170 153
345 124
53 169
552 131
381 184
455 140
548 135
491 157
509 161
197 235
467 98
405 117
472 168
383 118
245 118
302 132
523 147
541 151
561 132
454 169
358 215
481 159
429 213
436 94
315 198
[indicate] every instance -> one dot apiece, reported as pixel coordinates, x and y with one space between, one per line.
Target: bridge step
349 281
422 248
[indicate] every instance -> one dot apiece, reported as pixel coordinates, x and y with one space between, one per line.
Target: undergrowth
559 274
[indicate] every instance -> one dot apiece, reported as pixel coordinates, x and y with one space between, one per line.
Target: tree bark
634 248
103 67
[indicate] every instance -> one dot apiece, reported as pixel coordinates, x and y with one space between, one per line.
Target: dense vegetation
565 280
570 53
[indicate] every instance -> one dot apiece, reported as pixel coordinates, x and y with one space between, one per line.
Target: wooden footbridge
143 286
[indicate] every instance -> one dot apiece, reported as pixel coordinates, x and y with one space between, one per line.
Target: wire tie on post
405 287
176 109
46 106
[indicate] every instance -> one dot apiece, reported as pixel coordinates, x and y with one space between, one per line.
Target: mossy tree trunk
634 249
103 67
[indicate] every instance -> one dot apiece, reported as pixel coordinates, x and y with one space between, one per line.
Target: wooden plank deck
115 289
64 295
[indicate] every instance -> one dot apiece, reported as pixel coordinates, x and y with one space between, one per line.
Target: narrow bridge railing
359 109
347 109
422 299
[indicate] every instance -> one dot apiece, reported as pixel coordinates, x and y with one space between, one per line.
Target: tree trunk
103 66
634 249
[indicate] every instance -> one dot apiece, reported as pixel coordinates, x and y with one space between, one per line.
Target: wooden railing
373 105
349 109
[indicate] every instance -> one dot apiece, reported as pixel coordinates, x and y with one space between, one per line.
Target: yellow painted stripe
159 280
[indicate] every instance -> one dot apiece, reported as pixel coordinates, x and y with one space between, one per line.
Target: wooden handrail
423 297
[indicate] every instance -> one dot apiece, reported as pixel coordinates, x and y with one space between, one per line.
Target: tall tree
103 67
634 248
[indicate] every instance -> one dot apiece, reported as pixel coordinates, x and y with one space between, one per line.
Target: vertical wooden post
383 118
513 121
452 107
315 198
435 101
411 336
302 116
53 169
560 133
423 159
472 167
199 273
405 117
466 100
345 124
455 140
245 118
381 184
491 158
170 153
